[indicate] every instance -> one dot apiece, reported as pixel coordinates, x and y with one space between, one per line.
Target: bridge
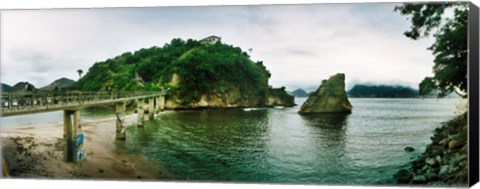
71 102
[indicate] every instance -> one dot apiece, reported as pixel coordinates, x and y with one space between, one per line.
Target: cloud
300 44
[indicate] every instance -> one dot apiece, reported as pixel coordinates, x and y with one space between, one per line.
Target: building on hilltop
210 40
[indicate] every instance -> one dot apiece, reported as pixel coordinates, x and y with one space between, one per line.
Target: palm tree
80 72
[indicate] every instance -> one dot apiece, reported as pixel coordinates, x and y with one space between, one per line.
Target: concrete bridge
70 102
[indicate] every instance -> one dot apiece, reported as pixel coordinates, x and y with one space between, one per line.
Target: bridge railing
28 99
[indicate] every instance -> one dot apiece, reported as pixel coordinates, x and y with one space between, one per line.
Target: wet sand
37 152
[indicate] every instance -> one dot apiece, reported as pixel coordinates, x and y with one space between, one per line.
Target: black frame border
473 95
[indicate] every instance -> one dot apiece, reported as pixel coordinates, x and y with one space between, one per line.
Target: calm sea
278 145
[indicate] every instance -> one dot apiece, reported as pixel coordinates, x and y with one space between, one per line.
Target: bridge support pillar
151 111
120 113
73 136
140 111
160 103
157 104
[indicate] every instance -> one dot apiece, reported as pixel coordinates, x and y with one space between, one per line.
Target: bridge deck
44 101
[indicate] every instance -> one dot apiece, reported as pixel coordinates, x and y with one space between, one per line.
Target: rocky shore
232 99
445 161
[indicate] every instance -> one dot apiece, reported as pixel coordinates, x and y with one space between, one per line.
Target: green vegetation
445 161
201 70
282 94
62 83
22 86
450 47
6 88
80 72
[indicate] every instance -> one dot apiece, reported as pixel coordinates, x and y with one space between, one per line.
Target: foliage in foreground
450 47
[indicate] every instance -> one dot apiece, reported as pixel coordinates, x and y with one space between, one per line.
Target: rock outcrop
330 97
279 97
232 99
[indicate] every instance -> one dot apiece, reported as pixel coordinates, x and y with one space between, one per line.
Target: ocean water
278 145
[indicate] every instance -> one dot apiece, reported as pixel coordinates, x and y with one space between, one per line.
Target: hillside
6 88
22 86
382 91
299 93
61 83
195 74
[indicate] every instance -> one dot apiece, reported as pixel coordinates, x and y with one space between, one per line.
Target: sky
300 44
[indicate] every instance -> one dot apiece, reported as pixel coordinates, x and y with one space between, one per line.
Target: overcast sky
300 44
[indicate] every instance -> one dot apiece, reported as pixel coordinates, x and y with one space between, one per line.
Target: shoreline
37 152
445 160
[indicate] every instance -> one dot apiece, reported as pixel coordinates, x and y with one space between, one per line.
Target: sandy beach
37 152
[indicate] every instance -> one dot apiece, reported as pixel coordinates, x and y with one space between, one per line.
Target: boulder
330 97
430 161
403 176
409 149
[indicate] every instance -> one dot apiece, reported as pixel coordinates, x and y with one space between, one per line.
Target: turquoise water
281 146
278 145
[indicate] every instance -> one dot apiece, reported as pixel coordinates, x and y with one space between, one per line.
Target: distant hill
6 88
22 86
299 93
60 83
382 91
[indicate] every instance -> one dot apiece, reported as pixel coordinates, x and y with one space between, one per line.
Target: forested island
382 91
195 74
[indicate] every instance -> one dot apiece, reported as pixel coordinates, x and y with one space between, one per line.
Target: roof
210 39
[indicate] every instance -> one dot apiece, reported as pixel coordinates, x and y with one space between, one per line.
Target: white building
211 40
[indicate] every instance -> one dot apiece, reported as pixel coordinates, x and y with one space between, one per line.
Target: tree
80 72
450 46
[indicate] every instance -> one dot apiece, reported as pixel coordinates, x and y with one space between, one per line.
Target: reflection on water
203 143
337 121
329 130
280 145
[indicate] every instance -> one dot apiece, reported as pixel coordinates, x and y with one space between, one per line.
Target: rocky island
196 74
330 97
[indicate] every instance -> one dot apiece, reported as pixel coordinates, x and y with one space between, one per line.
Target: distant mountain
382 91
22 86
6 88
59 83
299 93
